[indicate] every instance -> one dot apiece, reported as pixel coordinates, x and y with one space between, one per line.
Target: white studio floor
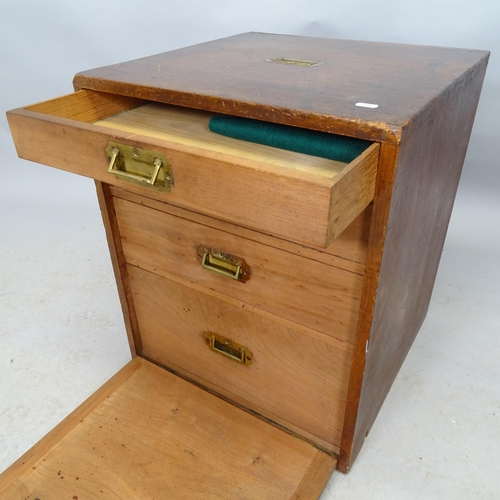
62 336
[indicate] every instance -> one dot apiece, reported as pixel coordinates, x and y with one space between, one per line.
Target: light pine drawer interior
298 197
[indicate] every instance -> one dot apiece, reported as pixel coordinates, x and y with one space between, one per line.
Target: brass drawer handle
223 264
128 176
140 166
228 348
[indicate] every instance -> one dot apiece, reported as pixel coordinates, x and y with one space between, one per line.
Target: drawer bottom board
149 434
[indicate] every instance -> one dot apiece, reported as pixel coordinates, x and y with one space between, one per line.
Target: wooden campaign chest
270 296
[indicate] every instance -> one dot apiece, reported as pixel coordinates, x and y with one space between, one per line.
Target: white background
61 334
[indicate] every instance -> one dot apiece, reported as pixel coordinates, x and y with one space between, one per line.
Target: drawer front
302 290
295 378
296 196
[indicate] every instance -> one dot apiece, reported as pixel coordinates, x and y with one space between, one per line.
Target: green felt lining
310 142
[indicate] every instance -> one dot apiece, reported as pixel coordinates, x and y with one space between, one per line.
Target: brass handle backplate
223 264
140 166
228 348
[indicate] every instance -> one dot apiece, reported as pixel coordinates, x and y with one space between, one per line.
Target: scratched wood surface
415 193
424 130
231 75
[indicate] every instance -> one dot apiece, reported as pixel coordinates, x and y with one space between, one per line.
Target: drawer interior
180 125
300 197
149 434
190 128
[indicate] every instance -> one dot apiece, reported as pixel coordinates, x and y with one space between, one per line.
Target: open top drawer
292 195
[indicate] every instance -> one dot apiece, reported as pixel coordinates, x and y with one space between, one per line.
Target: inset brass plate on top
294 62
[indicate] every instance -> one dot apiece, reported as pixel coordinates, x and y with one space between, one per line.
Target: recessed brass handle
223 264
228 348
129 176
140 166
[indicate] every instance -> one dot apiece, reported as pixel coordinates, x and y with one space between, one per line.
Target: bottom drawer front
293 378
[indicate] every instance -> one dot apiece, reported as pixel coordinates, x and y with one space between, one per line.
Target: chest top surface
316 83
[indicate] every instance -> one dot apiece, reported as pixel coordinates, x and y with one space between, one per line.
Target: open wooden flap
149 434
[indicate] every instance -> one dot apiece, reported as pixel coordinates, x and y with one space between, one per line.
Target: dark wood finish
119 266
231 76
426 97
414 197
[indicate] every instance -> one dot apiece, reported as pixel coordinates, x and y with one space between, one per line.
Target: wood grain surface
119 266
86 107
295 203
12 482
157 436
348 251
423 125
313 294
232 76
352 188
294 377
416 189
190 127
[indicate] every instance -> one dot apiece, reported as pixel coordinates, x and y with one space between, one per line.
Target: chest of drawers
270 296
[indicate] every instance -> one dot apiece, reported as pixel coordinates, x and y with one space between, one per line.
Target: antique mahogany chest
270 296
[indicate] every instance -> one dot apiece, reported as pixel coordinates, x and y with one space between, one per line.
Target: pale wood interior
190 128
86 106
157 436
356 182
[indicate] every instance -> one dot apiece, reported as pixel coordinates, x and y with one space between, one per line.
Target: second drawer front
307 292
294 378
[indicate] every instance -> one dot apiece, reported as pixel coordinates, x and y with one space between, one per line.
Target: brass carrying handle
223 264
127 175
228 348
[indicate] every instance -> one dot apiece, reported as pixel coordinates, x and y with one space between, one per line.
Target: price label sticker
366 105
